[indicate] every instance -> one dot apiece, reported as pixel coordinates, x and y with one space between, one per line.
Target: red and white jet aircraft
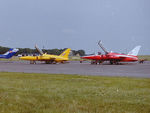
113 58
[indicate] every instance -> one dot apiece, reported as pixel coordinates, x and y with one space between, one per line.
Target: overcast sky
77 24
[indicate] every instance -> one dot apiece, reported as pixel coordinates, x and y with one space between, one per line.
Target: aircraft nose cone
26 58
85 57
22 58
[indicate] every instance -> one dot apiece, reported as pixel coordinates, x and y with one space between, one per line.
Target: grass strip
59 93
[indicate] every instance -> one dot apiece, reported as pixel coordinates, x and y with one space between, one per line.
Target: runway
74 67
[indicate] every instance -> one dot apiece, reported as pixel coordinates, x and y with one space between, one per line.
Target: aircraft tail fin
135 51
66 53
10 53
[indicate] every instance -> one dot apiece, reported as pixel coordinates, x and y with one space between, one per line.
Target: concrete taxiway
74 67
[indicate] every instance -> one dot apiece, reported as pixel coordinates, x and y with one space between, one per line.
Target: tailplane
66 53
10 53
135 51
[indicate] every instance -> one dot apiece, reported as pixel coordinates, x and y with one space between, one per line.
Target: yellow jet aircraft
49 59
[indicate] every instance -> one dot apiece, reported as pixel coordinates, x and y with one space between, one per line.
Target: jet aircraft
9 53
113 58
49 59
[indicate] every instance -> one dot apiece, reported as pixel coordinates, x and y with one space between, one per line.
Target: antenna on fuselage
40 51
101 46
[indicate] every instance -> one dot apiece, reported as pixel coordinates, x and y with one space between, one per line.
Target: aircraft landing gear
94 62
32 62
62 62
100 62
114 62
49 62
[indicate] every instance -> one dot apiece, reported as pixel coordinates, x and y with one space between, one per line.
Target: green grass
74 58
147 57
14 58
51 93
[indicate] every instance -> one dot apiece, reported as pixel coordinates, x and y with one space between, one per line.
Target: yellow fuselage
45 57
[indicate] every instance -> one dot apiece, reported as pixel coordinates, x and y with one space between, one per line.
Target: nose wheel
32 62
114 62
49 62
96 62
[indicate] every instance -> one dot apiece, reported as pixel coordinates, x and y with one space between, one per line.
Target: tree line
27 51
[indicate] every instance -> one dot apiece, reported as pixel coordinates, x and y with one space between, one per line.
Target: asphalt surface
74 67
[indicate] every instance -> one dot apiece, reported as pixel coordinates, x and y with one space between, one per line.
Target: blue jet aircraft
9 53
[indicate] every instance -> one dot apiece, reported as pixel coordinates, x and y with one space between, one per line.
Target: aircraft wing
47 57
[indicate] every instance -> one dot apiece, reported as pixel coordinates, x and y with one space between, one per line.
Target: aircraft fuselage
112 56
